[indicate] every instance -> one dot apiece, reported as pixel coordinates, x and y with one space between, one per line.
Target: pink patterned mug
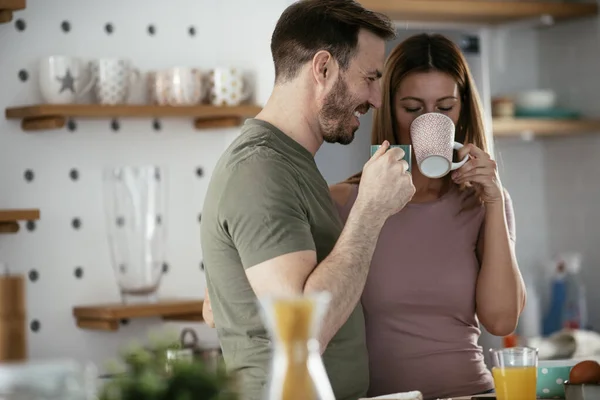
432 137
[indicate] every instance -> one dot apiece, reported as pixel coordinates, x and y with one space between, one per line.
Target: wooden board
478 11
19 215
108 316
7 7
504 127
53 116
139 111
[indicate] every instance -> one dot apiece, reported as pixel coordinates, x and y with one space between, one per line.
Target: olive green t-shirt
267 198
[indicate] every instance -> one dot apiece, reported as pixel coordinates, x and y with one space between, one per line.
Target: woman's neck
427 189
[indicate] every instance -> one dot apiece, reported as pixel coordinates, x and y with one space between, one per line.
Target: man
269 225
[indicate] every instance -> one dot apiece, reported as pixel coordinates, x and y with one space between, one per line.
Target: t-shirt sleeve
263 212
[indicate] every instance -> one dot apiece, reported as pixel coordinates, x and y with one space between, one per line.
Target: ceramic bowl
536 99
584 391
552 374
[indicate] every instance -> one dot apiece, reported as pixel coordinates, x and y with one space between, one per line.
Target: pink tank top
419 301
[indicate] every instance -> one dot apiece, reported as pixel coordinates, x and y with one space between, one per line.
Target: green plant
146 373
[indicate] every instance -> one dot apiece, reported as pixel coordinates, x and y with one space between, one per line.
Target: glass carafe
297 369
135 206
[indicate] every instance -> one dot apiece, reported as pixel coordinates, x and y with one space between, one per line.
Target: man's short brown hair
309 26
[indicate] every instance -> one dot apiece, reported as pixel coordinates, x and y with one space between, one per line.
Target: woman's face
425 92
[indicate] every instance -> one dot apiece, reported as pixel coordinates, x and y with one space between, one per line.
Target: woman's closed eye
417 109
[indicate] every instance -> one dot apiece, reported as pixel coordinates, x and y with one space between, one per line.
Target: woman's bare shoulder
340 192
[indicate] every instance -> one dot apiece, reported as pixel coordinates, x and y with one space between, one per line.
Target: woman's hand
480 171
207 313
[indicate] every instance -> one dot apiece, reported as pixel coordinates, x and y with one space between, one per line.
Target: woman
447 260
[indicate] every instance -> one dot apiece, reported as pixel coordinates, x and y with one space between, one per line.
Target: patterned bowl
552 374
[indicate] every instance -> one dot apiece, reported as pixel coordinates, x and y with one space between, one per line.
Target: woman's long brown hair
425 53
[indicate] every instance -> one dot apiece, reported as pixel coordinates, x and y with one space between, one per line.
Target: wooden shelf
8 7
54 116
108 316
492 12
507 127
9 219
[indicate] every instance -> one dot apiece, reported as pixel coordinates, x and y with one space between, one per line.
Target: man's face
356 90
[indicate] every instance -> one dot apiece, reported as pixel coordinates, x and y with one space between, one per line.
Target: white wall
54 248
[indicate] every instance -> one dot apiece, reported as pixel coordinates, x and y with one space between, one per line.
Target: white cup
113 79
61 79
432 136
227 87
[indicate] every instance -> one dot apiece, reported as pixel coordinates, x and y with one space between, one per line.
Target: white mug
61 79
432 136
113 79
179 86
227 87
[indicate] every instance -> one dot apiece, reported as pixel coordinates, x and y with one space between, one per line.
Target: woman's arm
207 314
500 294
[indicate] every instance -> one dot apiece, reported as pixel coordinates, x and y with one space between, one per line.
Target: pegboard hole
200 217
29 175
74 174
156 125
192 31
33 275
65 26
165 268
76 223
23 75
71 125
124 321
199 172
30 226
114 125
158 220
78 272
151 30
109 28
20 25
35 325
202 265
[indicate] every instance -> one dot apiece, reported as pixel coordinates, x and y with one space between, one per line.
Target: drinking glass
515 373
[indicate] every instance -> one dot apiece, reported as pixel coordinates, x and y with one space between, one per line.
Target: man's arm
283 261
343 273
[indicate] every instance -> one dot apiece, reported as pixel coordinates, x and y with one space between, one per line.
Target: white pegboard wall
68 266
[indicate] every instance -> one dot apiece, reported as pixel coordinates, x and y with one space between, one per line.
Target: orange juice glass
515 373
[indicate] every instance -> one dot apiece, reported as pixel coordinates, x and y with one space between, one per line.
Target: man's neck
289 111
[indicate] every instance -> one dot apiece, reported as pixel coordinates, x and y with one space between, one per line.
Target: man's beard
336 114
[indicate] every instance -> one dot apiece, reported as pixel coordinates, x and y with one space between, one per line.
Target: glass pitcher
297 369
515 373
135 207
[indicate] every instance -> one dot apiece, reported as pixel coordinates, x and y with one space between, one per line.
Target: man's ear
324 67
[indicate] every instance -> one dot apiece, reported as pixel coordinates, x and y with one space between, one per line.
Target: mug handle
246 92
90 84
456 165
135 75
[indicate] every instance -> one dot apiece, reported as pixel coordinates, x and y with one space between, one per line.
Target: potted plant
160 372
